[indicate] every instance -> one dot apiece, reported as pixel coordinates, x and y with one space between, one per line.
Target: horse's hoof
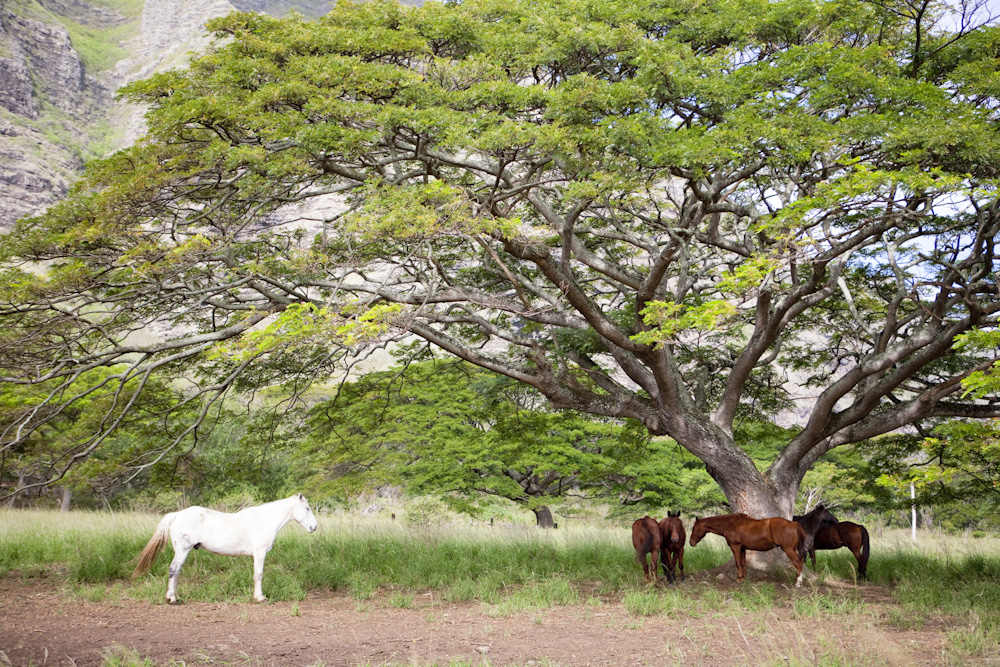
262 598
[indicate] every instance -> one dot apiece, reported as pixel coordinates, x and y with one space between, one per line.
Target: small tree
453 430
958 462
74 447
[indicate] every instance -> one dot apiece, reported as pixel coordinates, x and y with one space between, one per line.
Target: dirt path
40 626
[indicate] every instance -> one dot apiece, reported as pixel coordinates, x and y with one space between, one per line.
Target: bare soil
42 625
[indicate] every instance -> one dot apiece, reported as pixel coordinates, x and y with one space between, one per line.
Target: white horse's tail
156 542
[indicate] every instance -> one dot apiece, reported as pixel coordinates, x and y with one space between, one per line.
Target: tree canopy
656 210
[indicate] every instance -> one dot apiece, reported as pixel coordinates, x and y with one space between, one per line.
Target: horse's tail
865 552
152 548
645 548
802 547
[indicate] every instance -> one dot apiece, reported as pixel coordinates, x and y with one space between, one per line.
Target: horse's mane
731 515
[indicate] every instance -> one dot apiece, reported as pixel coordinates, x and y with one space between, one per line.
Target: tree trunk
748 490
757 495
543 517
67 497
20 485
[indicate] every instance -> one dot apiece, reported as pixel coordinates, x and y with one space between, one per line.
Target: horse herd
804 534
251 532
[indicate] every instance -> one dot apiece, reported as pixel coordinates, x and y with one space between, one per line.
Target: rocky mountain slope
60 63
47 107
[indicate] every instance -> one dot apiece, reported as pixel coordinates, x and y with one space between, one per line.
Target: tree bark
752 493
543 517
746 488
67 498
20 485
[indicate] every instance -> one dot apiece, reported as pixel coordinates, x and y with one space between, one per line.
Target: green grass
363 558
939 580
99 48
84 547
817 604
650 602
944 576
756 598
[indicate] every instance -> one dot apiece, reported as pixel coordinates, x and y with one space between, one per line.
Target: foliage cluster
454 430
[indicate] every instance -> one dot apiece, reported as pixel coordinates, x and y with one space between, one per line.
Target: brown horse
646 540
672 546
848 534
742 533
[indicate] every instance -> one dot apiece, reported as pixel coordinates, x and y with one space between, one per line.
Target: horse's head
698 531
824 517
675 528
302 513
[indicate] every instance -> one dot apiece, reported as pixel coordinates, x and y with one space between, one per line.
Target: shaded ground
39 625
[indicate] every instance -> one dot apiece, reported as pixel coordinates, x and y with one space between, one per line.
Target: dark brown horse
848 534
812 521
672 546
646 540
742 533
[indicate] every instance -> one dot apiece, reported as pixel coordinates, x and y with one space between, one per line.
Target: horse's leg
865 548
812 555
793 555
680 561
258 574
181 552
666 559
739 553
856 550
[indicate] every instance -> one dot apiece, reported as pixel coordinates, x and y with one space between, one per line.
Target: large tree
650 209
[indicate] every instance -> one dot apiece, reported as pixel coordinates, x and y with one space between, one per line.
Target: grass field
949 580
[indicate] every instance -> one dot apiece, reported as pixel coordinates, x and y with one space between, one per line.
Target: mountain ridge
60 63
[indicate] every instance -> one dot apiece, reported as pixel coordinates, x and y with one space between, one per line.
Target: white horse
249 532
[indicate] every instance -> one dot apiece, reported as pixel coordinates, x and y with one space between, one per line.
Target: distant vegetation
463 441
97 41
310 8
